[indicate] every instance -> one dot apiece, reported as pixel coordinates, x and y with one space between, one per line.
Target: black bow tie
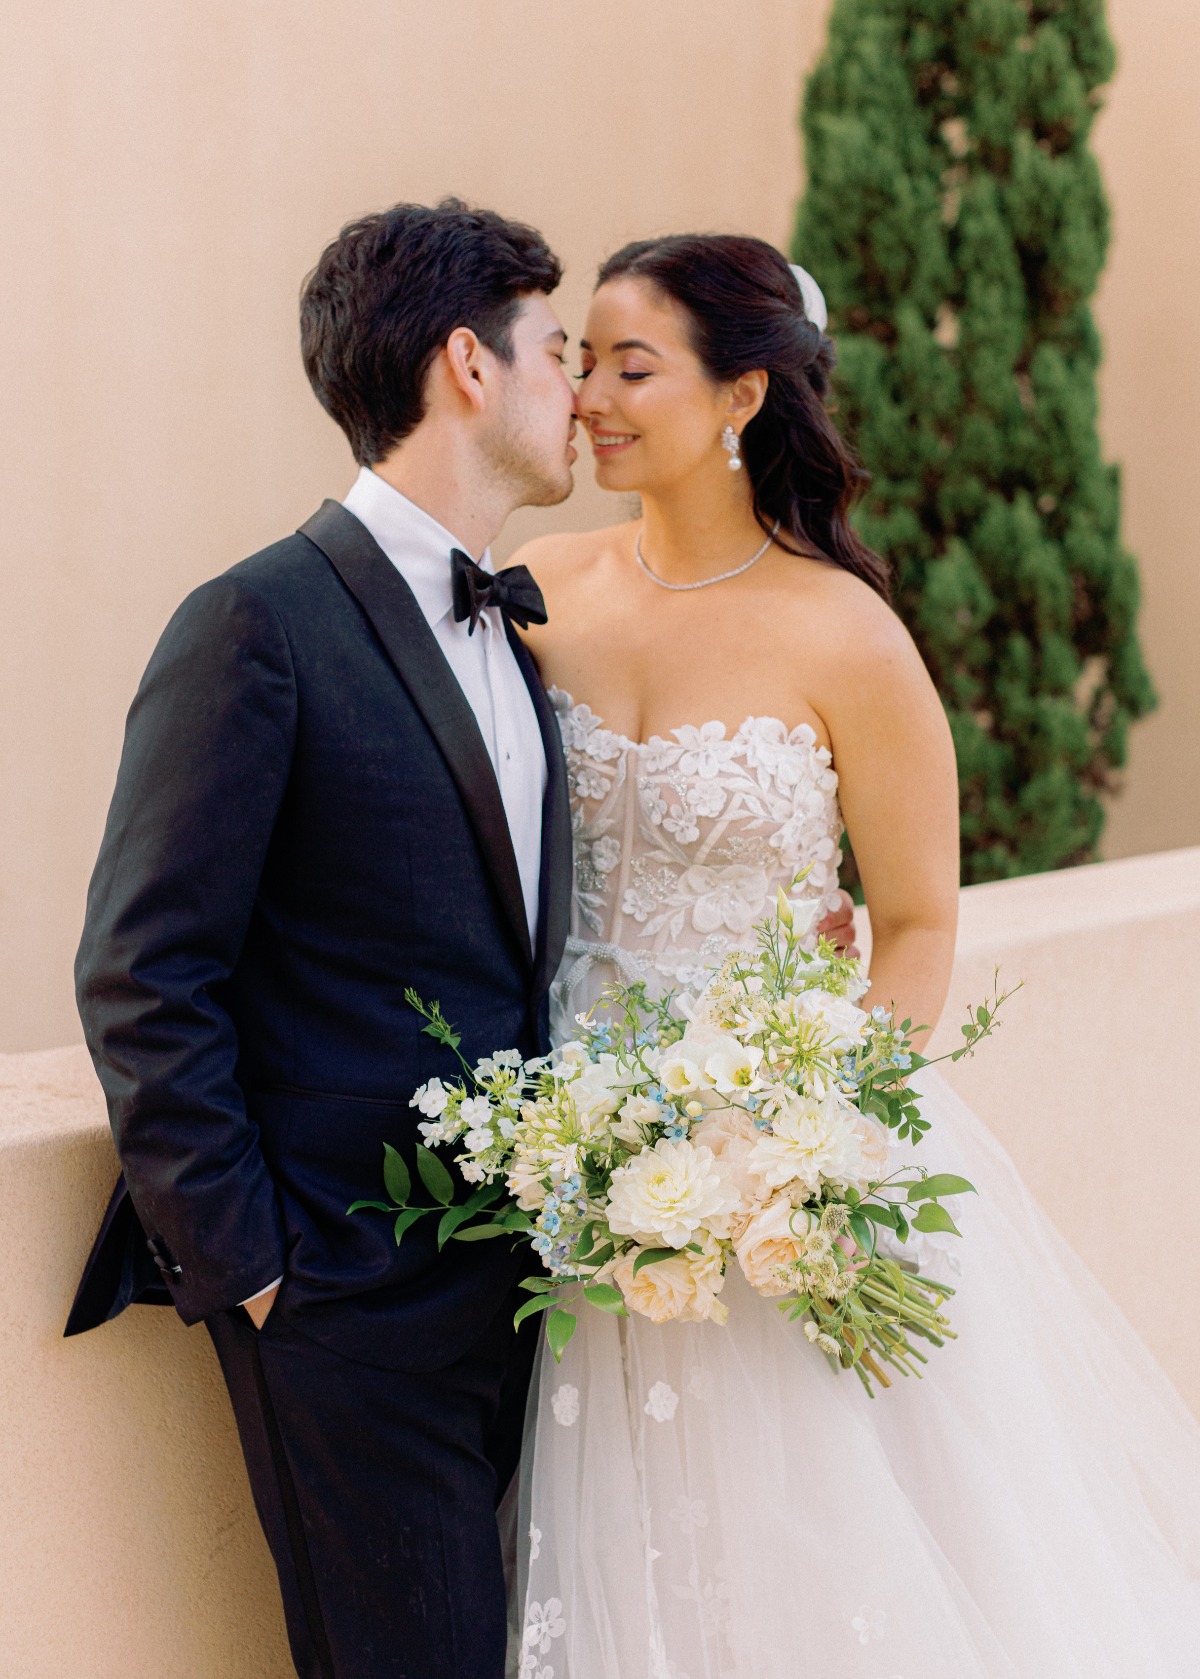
513 591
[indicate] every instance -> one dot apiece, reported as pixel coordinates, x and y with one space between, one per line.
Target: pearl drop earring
731 442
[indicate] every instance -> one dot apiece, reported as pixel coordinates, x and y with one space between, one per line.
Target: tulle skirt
717 1503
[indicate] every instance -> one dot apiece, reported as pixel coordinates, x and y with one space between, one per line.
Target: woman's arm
899 795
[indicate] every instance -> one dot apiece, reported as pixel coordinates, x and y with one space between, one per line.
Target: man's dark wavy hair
389 291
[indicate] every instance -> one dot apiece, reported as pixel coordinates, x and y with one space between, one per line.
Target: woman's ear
746 396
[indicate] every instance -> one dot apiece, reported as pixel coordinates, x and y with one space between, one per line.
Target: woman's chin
615 476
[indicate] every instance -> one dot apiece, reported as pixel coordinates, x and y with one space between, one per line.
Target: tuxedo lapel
557 875
392 610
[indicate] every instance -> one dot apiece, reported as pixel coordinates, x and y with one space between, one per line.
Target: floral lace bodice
681 843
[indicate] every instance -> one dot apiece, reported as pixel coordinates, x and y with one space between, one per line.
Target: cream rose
874 1147
684 1288
843 1019
731 1135
772 1241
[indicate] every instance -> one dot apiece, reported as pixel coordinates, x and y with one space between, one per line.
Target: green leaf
485 1195
542 1303
375 1206
540 1285
395 1176
651 1256
480 1233
450 1221
434 1176
860 1229
941 1183
902 1222
560 1326
515 1219
408 1217
607 1298
933 1216
878 1213
586 1237
600 1256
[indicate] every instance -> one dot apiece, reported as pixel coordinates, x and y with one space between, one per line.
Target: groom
341 777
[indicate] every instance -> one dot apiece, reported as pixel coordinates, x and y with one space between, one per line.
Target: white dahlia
664 1195
811 1141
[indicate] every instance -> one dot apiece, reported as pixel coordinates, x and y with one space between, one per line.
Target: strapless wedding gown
717 1503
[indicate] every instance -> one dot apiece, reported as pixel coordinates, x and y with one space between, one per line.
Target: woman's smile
610 442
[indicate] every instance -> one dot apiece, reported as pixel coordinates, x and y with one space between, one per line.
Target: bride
716 1503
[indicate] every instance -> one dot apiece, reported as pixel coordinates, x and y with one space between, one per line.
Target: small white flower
690 1513
869 1624
479 1141
471 1170
606 854
662 1402
475 1111
431 1098
564 1402
535 1542
544 1622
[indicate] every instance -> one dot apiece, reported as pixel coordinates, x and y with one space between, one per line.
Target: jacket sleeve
208 748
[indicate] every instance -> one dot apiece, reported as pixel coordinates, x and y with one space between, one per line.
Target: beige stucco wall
170 172
128 1545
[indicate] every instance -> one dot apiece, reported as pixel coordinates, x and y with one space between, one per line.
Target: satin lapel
557 877
392 610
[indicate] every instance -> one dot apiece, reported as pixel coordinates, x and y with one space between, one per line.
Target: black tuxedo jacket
306 821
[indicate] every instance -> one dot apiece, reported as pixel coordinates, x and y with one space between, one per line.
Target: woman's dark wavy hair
746 312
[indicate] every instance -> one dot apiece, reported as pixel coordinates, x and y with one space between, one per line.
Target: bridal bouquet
675 1138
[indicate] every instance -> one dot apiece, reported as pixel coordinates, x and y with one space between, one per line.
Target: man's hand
838 925
260 1307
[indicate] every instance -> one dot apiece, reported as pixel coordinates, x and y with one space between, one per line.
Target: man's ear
746 396
464 363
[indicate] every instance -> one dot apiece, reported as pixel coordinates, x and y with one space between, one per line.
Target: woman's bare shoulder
849 618
564 557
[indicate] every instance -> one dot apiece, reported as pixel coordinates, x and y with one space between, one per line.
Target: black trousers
377 1490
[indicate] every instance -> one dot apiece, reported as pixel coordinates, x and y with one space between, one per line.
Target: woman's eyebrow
628 344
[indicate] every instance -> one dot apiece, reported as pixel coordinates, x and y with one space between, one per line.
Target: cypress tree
955 217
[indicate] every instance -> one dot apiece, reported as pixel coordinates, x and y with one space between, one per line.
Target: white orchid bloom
733 1068
680 1075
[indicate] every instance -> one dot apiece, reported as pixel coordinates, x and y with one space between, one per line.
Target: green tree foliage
956 220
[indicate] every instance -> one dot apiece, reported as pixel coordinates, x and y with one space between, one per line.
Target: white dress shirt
484 664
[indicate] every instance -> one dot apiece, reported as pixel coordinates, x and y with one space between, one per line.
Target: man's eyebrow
557 333
628 344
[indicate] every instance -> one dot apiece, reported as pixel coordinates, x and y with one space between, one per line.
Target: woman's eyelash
632 377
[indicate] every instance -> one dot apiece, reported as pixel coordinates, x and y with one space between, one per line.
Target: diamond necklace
722 577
